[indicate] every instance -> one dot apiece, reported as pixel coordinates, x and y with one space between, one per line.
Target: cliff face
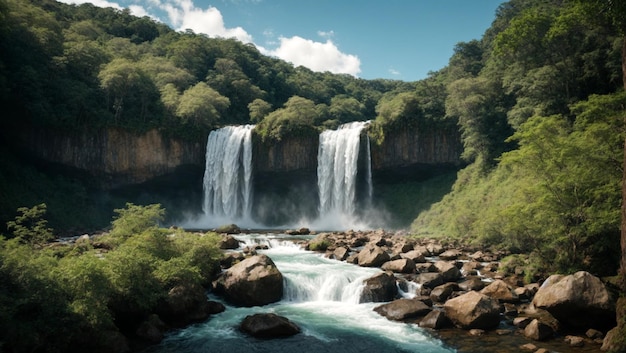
406 148
114 156
289 155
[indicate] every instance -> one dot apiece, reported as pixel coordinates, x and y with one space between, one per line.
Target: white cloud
324 34
139 11
394 71
316 56
184 15
99 3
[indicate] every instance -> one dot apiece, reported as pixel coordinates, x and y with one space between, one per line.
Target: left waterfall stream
322 297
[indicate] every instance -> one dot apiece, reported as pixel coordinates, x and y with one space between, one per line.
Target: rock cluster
460 286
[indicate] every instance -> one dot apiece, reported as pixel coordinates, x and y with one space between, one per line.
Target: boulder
414 255
448 270
538 330
268 326
429 279
228 242
254 281
434 249
451 254
401 309
580 300
372 256
473 310
228 229
341 253
436 319
399 266
379 288
441 293
471 283
501 291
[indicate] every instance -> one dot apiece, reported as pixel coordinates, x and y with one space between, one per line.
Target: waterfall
228 173
337 162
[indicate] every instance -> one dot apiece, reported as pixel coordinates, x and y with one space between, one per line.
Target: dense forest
539 101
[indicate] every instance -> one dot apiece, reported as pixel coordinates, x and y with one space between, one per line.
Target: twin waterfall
227 185
227 180
337 166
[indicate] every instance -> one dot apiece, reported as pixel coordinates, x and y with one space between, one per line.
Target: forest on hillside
538 100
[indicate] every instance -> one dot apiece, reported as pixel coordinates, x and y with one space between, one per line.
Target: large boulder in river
268 326
185 304
498 289
401 309
448 270
228 242
254 281
379 288
372 256
580 300
399 266
473 310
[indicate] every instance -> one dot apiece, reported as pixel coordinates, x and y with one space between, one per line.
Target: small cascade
337 163
228 173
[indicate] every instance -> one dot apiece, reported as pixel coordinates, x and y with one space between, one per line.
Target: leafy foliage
67 300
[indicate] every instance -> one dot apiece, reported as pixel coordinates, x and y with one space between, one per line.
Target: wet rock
522 322
372 256
401 309
436 320
228 229
580 300
476 332
471 284
501 291
448 270
609 343
425 267
471 268
448 255
429 280
229 259
399 266
414 255
441 293
473 310
594 334
538 331
434 249
528 347
574 341
379 288
254 281
341 253
228 242
268 326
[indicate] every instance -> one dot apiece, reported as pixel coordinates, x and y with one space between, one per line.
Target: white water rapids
321 296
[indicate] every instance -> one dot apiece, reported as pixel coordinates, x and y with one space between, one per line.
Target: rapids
321 296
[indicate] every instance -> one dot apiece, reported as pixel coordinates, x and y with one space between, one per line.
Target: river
321 296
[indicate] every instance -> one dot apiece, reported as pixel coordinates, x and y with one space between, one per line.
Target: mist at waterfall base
342 198
321 296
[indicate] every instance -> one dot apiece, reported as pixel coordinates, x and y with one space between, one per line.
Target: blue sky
391 39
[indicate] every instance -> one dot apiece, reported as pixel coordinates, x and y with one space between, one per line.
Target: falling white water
337 159
228 173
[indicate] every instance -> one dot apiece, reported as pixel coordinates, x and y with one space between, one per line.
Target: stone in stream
254 281
580 300
473 310
268 326
399 266
538 331
436 320
401 309
372 256
501 291
379 288
448 270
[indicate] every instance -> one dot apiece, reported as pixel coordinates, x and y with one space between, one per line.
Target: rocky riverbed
463 295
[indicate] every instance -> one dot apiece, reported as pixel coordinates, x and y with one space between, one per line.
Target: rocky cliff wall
116 157
405 148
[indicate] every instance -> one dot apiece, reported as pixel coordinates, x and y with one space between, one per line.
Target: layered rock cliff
115 157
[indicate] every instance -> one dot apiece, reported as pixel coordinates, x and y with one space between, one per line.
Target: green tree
259 109
30 226
201 105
